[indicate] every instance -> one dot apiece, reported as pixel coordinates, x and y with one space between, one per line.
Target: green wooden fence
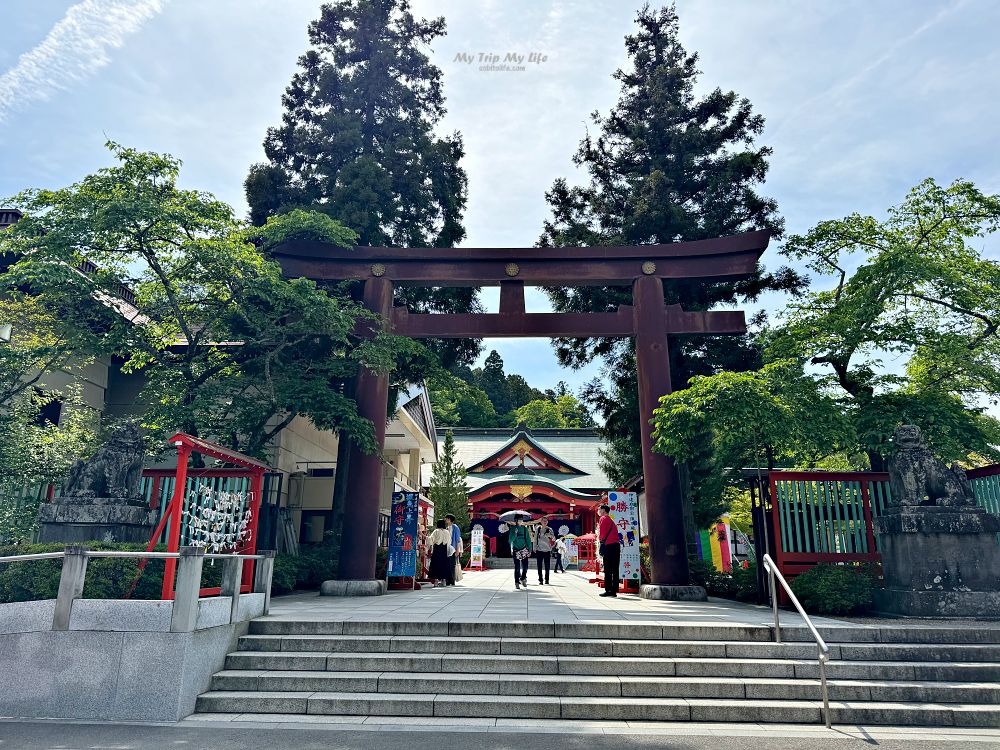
827 516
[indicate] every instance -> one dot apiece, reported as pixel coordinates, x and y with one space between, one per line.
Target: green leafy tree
358 142
539 414
565 411
520 392
448 489
36 450
753 419
456 403
176 287
665 165
912 334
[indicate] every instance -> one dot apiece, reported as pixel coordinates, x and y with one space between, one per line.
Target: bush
317 563
745 582
107 578
700 572
740 584
286 574
835 589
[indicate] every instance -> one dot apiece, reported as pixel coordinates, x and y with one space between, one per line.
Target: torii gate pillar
356 570
664 504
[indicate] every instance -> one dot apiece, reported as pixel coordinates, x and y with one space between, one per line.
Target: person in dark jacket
520 550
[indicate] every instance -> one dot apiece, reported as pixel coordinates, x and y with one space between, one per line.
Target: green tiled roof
580 448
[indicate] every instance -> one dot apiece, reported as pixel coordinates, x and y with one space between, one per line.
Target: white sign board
476 552
572 553
625 513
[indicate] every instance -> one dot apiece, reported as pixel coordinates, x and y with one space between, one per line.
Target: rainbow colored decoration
714 546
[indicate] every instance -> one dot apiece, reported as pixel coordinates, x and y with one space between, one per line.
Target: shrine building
554 472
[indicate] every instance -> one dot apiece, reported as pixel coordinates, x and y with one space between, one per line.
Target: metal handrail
123 553
824 650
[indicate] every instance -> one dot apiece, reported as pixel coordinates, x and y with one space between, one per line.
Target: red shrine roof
208 448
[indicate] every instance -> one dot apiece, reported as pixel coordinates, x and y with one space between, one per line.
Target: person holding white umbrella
520 546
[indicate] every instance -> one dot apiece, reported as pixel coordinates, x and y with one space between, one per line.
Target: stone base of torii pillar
353 588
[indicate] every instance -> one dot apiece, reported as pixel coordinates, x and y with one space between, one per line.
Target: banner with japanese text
625 513
402 557
476 552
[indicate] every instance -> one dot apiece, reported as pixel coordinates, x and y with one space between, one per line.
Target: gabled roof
537 484
523 450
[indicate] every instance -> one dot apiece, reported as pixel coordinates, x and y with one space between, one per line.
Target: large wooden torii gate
648 319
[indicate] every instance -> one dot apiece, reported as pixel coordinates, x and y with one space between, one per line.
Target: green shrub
645 565
317 563
286 574
107 578
740 584
700 572
835 589
745 581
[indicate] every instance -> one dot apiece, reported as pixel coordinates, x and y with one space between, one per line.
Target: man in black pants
611 549
544 541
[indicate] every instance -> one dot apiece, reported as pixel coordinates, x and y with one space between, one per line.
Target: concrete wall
301 444
118 661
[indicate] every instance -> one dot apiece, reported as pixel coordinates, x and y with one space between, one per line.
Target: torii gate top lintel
721 258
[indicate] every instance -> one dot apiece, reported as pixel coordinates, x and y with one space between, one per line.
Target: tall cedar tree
448 490
665 167
357 142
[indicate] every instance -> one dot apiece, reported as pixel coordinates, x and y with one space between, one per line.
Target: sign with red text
625 513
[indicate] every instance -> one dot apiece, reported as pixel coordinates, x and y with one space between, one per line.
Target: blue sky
862 99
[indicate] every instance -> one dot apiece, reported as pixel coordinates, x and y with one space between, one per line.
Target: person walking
441 553
544 540
558 553
520 550
610 549
456 542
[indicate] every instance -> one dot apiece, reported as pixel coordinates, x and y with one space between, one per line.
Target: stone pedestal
353 588
672 593
96 519
939 561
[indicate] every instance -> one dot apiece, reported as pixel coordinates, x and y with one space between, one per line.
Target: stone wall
117 662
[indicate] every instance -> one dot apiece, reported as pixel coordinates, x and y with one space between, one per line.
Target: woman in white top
440 550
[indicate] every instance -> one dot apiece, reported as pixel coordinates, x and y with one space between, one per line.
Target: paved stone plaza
489 596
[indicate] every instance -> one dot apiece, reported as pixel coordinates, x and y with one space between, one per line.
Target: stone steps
594 708
586 665
646 671
625 648
618 629
753 688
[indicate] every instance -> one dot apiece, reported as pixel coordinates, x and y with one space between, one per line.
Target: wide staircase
890 675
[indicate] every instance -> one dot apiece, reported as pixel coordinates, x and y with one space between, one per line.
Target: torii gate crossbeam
648 319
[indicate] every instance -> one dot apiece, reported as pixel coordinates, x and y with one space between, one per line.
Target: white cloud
75 48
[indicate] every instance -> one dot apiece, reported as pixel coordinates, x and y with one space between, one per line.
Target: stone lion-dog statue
918 478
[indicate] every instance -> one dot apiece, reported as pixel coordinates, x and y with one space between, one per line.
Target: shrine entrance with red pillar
649 320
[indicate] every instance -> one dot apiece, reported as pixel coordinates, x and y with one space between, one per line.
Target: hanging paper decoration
217 520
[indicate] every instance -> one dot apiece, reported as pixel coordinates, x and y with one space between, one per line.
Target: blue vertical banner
403 553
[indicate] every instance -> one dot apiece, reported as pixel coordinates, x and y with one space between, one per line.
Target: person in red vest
610 549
